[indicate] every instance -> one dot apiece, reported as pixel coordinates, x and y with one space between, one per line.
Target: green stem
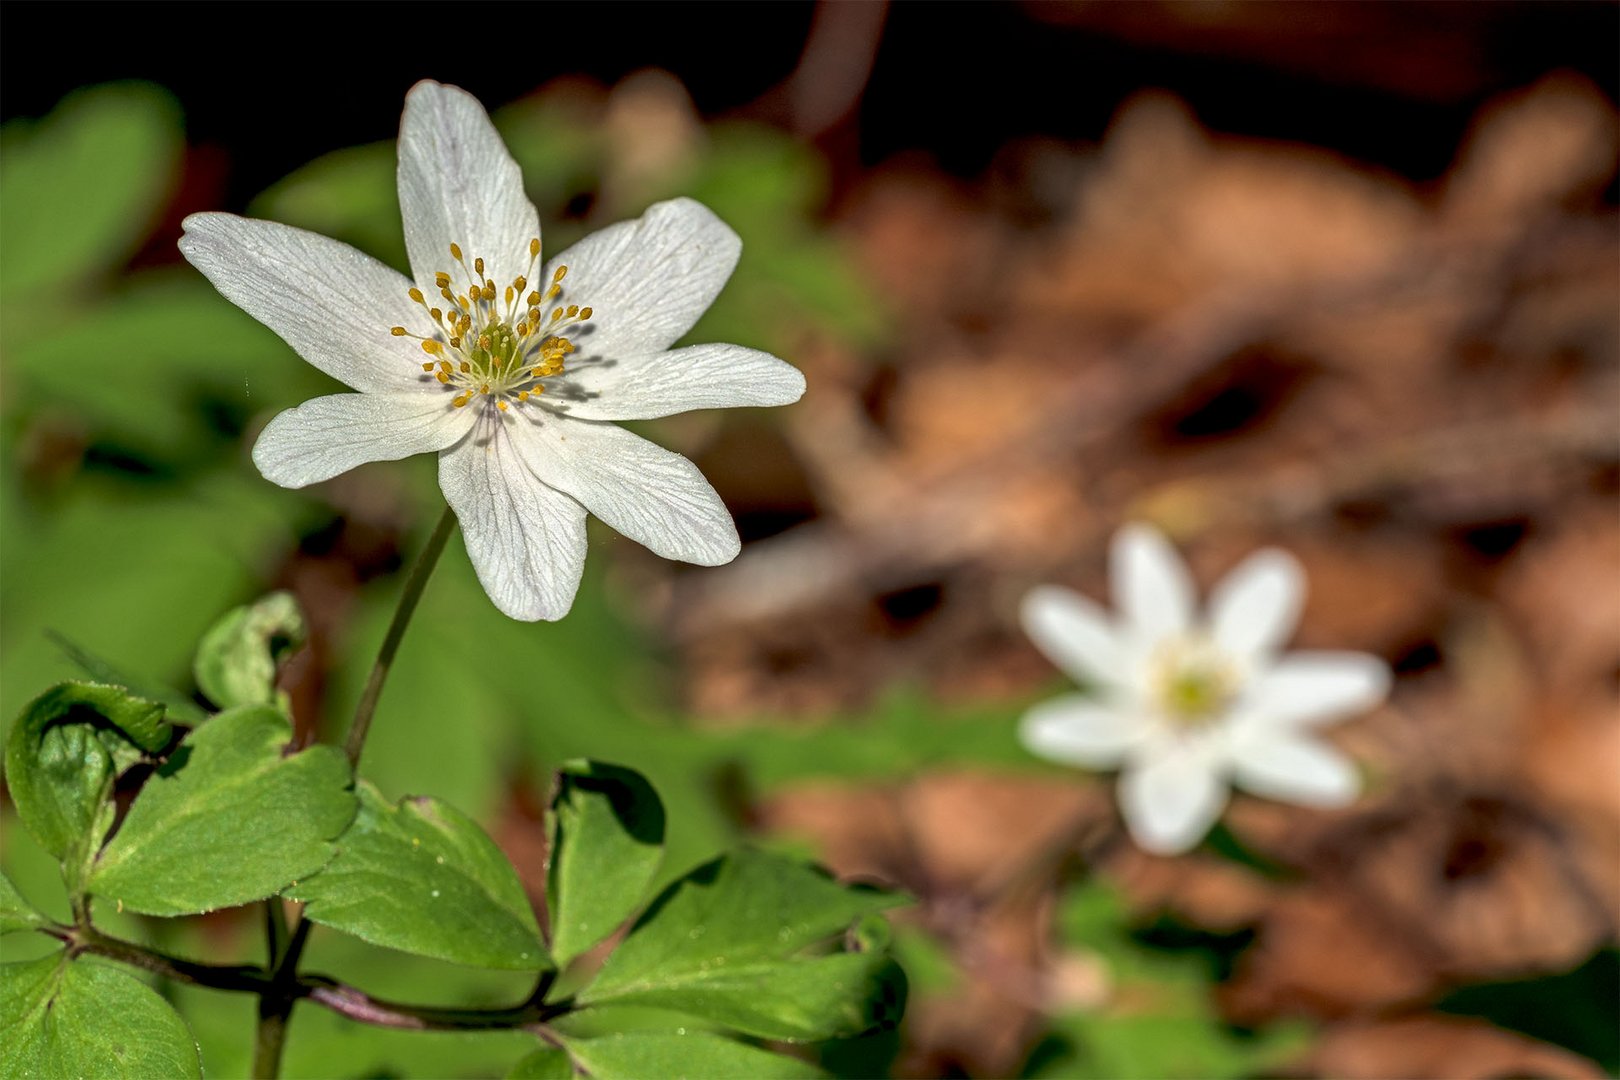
277 1001
396 632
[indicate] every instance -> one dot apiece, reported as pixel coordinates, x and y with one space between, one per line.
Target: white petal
1313 688
1151 585
1074 633
326 436
658 384
647 280
459 185
331 303
1255 608
1296 770
655 497
1171 799
1077 730
526 540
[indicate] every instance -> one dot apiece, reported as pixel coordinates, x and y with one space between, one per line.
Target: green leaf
607 839
722 943
422 877
63 756
236 662
63 1018
178 706
82 187
228 819
664 1054
15 912
349 195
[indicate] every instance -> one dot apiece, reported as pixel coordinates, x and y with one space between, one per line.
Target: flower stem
414 585
276 1001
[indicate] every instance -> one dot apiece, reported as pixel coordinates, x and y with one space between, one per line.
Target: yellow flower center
1193 682
497 344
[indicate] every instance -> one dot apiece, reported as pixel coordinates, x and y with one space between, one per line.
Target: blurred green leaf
79 1018
182 371
607 839
422 877
1160 1020
722 944
348 195
641 1054
15 912
63 756
236 662
228 819
83 186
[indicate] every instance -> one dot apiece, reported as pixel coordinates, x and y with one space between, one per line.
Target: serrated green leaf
633 1055
236 661
80 1018
722 943
15 912
607 839
63 756
228 819
422 877
81 187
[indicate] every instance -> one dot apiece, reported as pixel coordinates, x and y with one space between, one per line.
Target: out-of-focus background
1339 277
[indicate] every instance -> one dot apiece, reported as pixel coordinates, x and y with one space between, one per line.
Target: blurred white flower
512 370
1185 707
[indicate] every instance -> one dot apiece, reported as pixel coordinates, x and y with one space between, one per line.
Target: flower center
495 344
1193 682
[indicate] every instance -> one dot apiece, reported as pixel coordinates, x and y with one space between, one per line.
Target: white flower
1184 707
511 369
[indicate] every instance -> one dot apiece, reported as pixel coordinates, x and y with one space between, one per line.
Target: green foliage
422 877
641 1054
91 177
64 755
725 944
1160 1021
15 912
78 1018
236 662
607 839
227 819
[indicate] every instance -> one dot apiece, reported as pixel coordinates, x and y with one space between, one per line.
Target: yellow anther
428 366
532 299
555 315
431 347
466 305
441 279
584 312
538 372
562 272
478 267
483 341
442 377
455 252
448 295
501 405
484 389
520 283
465 367
460 402
523 395
398 331
551 293
444 366
489 291
416 294
455 343
534 248
509 295
437 313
